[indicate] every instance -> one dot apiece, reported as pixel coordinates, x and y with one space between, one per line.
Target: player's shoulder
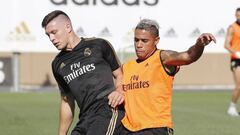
233 26
129 63
58 58
167 53
95 40
99 43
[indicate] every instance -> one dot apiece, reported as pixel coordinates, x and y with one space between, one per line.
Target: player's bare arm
117 96
67 107
173 58
229 39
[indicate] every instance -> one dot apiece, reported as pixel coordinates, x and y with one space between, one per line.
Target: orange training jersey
235 43
148 95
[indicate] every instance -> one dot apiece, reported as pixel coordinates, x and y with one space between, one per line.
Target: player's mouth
139 51
56 44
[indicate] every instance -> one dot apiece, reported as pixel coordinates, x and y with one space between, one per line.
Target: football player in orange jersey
232 44
148 81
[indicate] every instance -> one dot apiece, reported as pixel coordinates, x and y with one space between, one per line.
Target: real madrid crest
87 52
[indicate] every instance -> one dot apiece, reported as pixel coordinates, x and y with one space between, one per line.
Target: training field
195 113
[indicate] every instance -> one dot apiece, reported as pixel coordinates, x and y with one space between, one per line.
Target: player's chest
80 62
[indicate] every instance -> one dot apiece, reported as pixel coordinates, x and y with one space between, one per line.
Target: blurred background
26 52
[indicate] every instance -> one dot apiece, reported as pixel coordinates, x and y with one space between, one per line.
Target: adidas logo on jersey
62 65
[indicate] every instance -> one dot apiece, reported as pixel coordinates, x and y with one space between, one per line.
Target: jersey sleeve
110 55
60 82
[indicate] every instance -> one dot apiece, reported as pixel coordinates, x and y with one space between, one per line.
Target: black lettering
146 84
136 76
114 2
94 2
137 85
141 84
85 2
106 2
61 2
125 87
151 4
128 87
136 2
131 85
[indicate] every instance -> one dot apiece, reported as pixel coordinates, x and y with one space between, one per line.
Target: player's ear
68 27
157 39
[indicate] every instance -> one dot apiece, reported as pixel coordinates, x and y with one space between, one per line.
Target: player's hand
205 38
115 98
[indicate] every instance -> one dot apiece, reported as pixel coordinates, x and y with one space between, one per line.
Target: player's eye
54 32
136 39
145 40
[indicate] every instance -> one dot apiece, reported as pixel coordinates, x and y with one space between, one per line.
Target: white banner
181 21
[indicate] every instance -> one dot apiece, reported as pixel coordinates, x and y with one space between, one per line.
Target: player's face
145 43
57 34
238 16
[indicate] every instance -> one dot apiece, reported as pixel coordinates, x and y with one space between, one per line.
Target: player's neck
73 42
238 22
149 55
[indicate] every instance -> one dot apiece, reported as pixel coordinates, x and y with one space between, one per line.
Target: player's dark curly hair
149 25
49 17
238 9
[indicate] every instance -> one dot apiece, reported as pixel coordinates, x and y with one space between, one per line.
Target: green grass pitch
195 113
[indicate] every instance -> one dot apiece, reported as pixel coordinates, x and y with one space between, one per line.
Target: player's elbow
187 59
226 46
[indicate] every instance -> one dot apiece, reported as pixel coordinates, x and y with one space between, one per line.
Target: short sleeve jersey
86 71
